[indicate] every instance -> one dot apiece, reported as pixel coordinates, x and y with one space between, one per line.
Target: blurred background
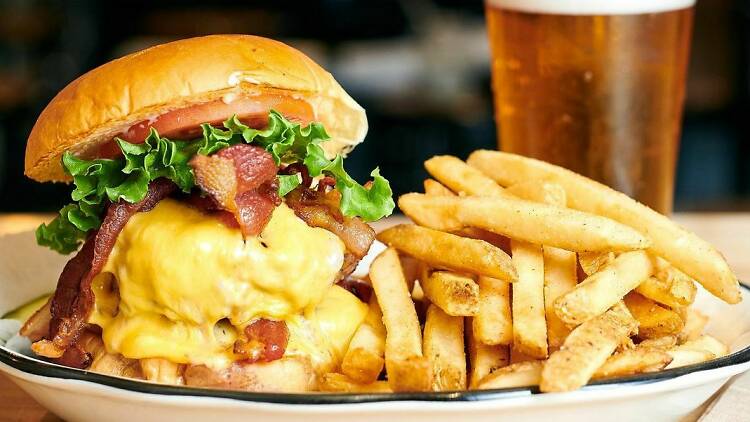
419 67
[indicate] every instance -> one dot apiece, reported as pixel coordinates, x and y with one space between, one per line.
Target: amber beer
596 86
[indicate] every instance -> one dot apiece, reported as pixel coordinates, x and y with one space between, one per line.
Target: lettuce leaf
100 181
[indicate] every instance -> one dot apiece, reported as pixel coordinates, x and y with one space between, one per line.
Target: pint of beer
596 86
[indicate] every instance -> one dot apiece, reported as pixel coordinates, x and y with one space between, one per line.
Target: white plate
27 271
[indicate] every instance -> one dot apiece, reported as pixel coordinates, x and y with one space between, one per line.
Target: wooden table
730 232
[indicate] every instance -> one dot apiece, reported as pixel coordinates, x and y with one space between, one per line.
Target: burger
213 228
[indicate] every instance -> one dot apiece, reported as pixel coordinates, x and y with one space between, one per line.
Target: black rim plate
31 366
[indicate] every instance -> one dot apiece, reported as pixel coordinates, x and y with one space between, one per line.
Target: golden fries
522 220
539 191
634 361
603 289
445 250
694 324
456 294
407 369
483 359
654 320
683 249
459 177
433 187
496 321
529 323
586 349
340 383
520 374
493 324
363 361
444 347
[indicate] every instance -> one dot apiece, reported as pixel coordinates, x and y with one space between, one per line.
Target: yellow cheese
179 273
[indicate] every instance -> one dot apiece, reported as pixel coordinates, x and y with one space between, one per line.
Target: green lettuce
101 180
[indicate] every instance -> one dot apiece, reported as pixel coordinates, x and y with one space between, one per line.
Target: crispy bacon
266 341
240 179
321 209
73 298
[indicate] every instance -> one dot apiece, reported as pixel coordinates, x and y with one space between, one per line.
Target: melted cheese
186 285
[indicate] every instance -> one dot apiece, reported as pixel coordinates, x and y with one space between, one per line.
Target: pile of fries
521 273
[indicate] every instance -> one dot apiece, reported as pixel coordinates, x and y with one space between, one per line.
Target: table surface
730 232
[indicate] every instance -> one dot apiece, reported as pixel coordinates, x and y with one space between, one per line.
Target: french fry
559 278
445 250
444 347
494 239
529 323
433 187
522 374
407 369
592 262
456 294
363 361
559 265
603 289
517 356
654 320
685 357
586 349
539 191
340 383
494 323
698 350
707 343
461 178
531 222
483 359
634 361
685 250
661 343
668 286
695 321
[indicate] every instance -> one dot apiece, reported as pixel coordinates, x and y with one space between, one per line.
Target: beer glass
596 86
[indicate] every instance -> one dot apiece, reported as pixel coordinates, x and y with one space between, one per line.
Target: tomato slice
184 123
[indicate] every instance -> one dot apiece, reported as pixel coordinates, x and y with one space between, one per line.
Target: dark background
420 69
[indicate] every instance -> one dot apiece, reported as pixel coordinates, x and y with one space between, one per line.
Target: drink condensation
596 86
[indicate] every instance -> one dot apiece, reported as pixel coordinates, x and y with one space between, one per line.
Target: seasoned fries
586 349
492 267
654 320
407 369
493 324
340 383
461 178
483 359
363 361
683 249
445 250
603 289
433 187
456 294
444 347
529 323
520 374
523 220
634 361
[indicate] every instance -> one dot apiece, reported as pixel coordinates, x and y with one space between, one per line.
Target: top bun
106 101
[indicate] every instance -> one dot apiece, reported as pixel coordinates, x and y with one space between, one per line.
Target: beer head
592 7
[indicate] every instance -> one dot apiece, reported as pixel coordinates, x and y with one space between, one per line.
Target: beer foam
592 7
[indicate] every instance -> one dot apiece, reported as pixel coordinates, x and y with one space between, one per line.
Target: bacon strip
240 179
73 298
266 341
321 209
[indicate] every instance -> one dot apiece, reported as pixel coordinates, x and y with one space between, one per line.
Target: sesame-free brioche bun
108 100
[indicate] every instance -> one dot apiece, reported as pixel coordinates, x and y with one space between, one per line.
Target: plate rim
36 367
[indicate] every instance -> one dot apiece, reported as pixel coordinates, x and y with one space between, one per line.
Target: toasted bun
109 99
